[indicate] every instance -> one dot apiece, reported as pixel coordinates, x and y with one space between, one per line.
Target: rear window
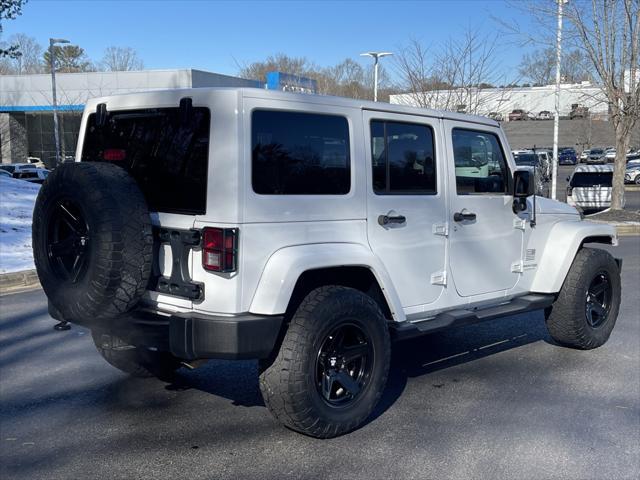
295 153
167 154
589 179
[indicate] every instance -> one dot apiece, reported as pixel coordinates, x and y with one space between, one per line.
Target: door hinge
519 223
441 229
439 278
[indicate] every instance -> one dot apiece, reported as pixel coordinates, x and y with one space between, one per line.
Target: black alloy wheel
598 299
68 240
343 365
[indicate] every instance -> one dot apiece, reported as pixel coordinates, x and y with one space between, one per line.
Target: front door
485 239
406 203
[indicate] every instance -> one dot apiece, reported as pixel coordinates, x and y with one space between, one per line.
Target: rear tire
332 366
135 361
586 309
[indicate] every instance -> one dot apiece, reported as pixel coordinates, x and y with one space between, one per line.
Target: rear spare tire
92 241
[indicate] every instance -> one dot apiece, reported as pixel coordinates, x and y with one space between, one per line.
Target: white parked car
15 168
590 187
584 155
632 174
610 155
306 232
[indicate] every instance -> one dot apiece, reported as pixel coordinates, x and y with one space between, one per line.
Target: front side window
403 159
479 163
295 153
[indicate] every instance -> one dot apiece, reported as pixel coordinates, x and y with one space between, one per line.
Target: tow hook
193 364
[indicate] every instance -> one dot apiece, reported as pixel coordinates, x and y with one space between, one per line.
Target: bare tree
538 66
121 59
30 59
453 75
607 33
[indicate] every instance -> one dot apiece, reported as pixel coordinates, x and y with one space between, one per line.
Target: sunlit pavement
494 400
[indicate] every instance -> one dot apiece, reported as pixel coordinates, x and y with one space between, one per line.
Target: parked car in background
567 156
519 114
578 111
610 154
632 174
596 155
14 168
498 117
36 162
590 187
633 156
544 115
5 174
37 175
584 155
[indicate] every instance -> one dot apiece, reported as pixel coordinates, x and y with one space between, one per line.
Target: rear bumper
195 336
245 336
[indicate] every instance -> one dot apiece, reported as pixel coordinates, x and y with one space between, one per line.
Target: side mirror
524 184
568 179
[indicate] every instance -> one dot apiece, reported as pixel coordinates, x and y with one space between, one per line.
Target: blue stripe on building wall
43 108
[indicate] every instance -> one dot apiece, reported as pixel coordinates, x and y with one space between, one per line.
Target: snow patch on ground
17 198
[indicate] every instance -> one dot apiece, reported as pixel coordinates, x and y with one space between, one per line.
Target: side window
403 159
295 153
479 162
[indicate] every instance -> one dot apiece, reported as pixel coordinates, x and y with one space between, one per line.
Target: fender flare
564 241
285 266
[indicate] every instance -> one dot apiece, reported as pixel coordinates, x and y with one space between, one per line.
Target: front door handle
463 216
385 220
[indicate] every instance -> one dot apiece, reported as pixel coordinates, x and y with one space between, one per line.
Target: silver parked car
590 187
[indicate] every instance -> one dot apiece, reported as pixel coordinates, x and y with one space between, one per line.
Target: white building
504 100
26 118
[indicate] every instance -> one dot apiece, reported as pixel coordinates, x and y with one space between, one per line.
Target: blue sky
218 35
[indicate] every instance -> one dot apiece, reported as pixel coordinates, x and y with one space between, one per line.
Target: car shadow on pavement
238 380
442 350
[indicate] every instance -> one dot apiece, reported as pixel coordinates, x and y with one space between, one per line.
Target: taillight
220 249
114 155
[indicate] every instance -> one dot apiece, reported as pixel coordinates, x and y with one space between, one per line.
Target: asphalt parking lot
493 400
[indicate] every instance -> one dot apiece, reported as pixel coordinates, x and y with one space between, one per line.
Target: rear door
406 206
485 241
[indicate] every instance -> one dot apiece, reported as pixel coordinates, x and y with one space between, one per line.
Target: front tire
586 309
332 366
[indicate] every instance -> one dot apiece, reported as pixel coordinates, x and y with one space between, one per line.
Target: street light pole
556 116
52 62
376 56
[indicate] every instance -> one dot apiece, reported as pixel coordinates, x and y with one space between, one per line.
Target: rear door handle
464 216
389 219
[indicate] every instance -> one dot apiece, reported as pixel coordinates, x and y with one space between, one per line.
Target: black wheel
586 309
92 241
136 361
332 366
637 180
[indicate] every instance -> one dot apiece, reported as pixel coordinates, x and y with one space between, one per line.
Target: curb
624 229
15 281
632 188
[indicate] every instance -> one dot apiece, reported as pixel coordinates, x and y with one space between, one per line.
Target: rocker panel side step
462 317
